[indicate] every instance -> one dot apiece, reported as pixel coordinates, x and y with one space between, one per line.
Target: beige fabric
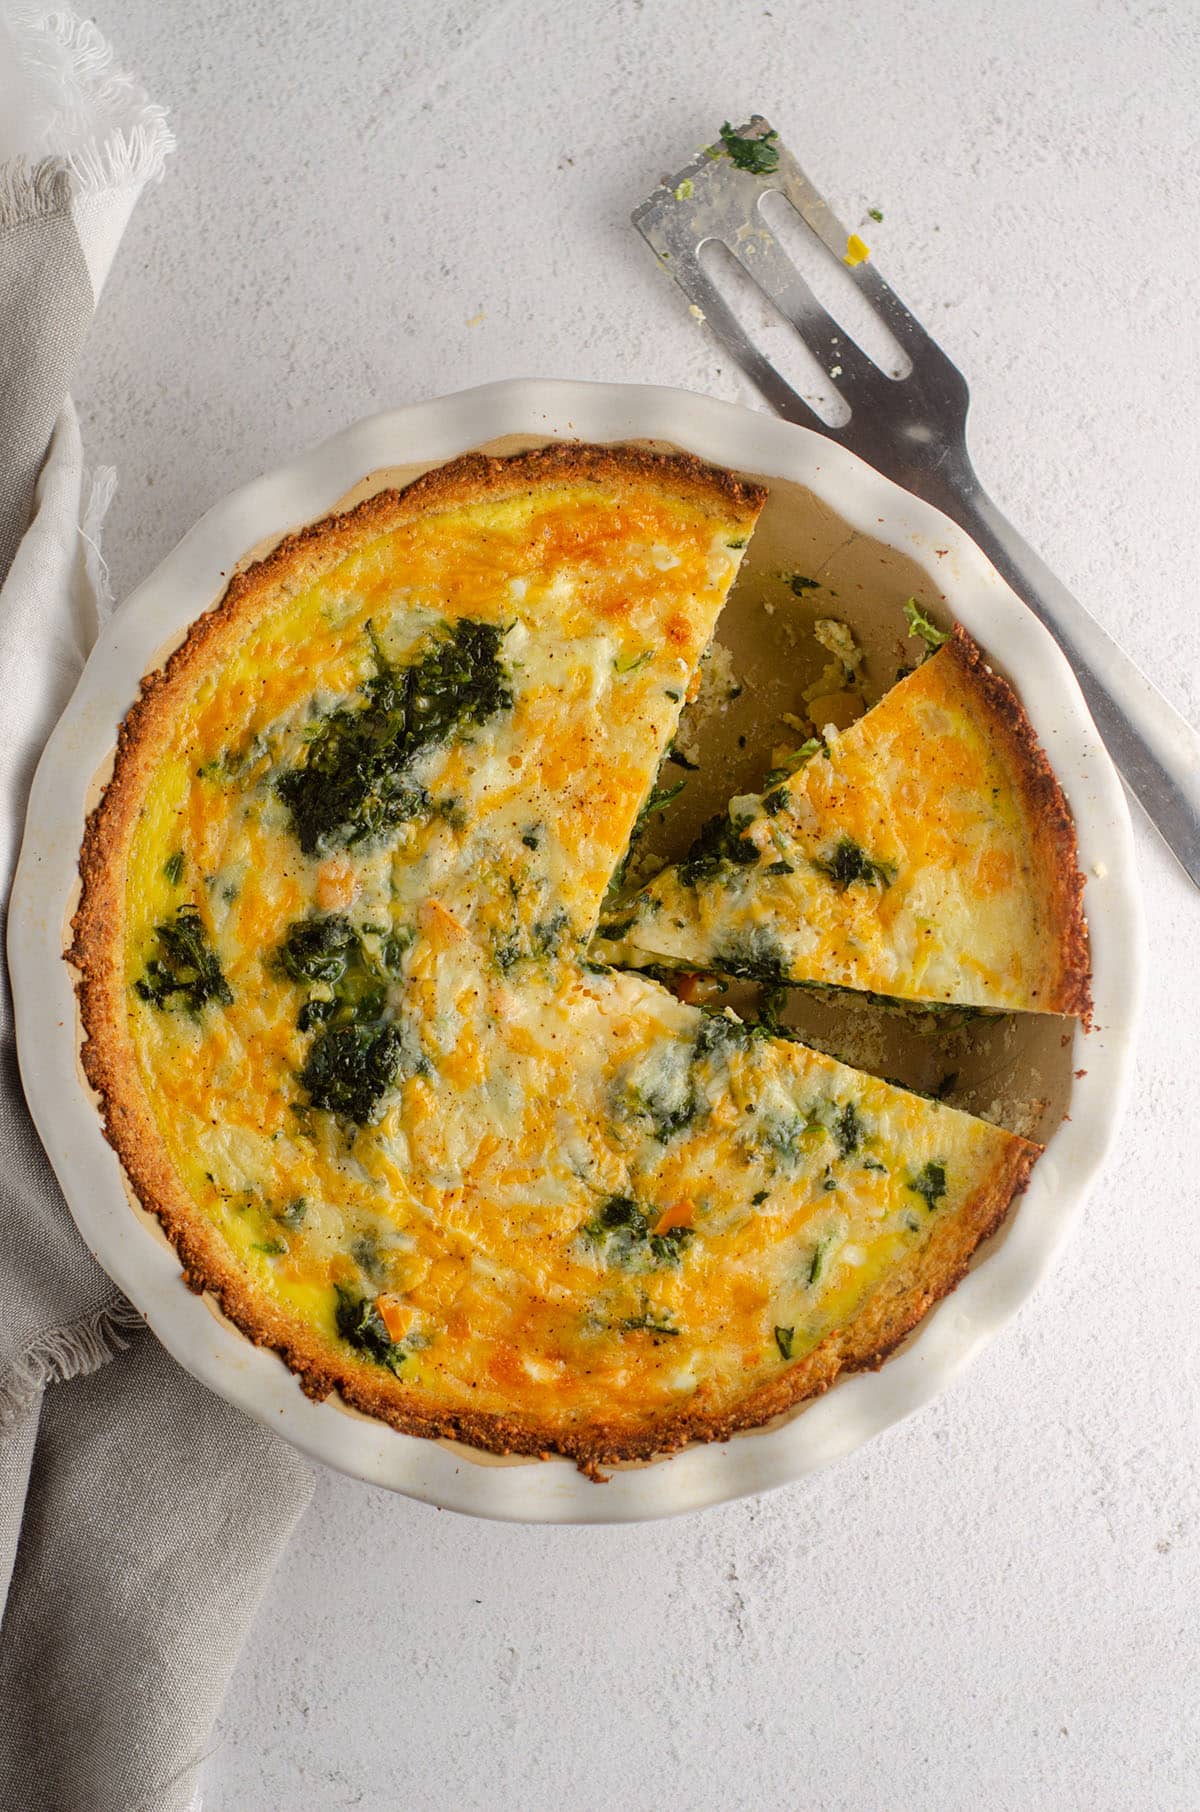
45 309
156 1514
140 1517
52 1292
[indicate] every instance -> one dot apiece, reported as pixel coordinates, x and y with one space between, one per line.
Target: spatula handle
1155 749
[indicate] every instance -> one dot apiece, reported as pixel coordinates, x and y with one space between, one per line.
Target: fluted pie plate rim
131 1248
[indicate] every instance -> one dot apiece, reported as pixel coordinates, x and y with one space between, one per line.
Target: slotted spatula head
907 427
911 427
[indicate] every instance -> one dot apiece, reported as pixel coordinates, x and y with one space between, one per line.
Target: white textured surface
993 1606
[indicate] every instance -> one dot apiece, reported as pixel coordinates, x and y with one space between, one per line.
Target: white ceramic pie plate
128 1245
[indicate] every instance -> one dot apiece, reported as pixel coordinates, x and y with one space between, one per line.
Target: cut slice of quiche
925 853
347 1042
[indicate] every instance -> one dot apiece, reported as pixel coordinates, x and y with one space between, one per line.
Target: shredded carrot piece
679 1214
438 920
337 884
487 1148
396 1316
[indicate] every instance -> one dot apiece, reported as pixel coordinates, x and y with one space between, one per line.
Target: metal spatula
912 429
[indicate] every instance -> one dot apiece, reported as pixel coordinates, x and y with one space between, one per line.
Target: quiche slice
347 1042
925 853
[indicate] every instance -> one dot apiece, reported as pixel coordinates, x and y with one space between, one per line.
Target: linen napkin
140 1517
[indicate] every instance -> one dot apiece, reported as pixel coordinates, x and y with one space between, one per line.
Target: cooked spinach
667 1247
620 1232
719 841
657 800
848 863
185 973
349 1068
619 1211
783 1134
395 946
649 1321
319 948
929 1183
616 929
848 1129
349 983
789 766
173 868
676 754
315 1012
950 1015
545 939
800 584
359 997
362 1326
663 1091
754 955
718 1035
926 1017
508 952
356 779
668 1113
816 1263
921 625
772 1001
364 1250
270 1248
783 1340
546 935
758 155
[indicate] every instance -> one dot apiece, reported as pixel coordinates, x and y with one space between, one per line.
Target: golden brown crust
477 475
1049 821
108 1058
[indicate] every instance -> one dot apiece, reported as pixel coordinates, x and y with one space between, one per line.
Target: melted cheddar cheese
413 1136
920 854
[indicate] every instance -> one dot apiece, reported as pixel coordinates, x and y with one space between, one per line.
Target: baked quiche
347 1035
925 853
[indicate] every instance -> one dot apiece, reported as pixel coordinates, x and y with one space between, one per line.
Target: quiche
347 1028
925 853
